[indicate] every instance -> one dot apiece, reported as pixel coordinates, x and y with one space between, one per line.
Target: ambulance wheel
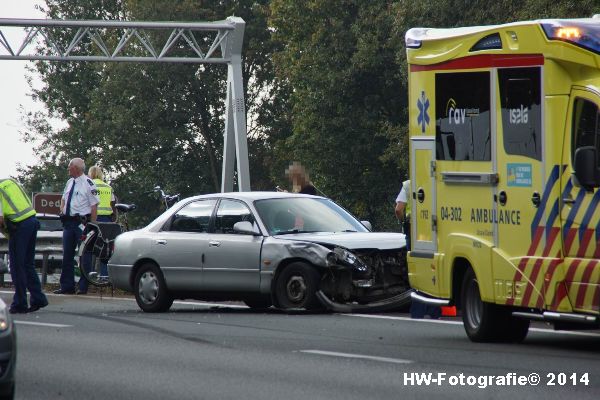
511 329
479 317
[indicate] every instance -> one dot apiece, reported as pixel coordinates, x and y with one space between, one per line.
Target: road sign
47 203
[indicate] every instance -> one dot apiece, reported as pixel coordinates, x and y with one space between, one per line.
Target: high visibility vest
105 194
16 205
406 188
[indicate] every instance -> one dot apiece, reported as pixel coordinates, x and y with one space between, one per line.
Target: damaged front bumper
401 300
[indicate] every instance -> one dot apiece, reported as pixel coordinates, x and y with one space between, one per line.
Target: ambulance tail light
414 37
579 33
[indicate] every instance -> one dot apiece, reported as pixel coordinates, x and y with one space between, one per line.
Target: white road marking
218 305
359 356
441 321
431 321
108 297
43 324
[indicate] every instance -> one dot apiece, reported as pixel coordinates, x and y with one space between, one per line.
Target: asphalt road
84 347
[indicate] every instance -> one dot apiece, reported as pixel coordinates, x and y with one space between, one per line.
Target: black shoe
17 310
63 291
35 307
79 291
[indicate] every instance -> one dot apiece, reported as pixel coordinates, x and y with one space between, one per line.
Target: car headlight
343 256
4 317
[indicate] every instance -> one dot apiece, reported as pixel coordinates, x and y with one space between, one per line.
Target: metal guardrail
45 251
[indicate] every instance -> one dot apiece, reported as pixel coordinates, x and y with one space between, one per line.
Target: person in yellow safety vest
18 219
106 207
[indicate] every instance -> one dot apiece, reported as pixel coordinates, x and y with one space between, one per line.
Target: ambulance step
421 298
552 316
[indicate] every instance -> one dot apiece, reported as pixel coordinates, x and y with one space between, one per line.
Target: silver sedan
264 248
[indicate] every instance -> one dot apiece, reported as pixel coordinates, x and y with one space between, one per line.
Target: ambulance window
520 98
586 129
462 106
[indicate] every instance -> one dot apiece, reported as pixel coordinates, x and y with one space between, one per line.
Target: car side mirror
246 228
367 225
586 167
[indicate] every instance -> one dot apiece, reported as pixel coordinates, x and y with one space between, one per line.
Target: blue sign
423 105
518 174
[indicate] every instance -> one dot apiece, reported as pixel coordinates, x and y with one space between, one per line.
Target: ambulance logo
423 105
458 116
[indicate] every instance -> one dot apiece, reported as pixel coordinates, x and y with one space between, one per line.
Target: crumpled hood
352 240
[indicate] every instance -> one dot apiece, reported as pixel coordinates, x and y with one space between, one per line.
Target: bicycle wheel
91 267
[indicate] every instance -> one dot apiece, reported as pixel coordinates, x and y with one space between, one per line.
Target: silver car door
232 260
180 247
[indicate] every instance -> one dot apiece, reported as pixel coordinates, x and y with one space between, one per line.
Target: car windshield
50 224
303 214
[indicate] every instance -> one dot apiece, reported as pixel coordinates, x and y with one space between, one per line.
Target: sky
14 93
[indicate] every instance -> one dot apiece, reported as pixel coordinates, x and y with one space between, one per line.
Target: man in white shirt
79 205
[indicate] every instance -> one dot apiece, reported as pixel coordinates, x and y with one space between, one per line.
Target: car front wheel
150 289
296 287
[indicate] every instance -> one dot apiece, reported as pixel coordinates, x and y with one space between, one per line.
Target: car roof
251 196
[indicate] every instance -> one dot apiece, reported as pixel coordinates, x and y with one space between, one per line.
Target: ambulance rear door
423 219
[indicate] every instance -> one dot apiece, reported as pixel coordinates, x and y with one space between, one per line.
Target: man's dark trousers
71 238
21 245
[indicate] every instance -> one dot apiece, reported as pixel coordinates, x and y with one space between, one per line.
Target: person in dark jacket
298 176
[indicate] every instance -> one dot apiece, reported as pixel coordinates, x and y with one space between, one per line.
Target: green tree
149 124
346 101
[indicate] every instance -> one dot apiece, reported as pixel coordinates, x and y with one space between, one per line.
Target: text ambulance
505 169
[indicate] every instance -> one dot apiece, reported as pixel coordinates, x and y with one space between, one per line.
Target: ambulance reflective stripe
105 192
530 266
15 200
552 180
597 252
581 286
568 233
585 233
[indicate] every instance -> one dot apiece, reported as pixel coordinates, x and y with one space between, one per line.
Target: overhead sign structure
47 203
217 42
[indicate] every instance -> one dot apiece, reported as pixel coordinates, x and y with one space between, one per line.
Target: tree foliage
149 124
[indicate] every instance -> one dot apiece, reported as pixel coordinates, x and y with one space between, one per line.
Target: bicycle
168 200
97 245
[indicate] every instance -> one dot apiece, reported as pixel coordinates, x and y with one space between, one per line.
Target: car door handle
161 241
568 200
214 243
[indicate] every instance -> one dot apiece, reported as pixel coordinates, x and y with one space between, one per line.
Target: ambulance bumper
432 301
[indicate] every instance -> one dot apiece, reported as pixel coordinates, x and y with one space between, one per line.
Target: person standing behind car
402 211
299 179
106 207
18 219
79 204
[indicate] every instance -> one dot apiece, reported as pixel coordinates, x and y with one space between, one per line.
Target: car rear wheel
296 287
151 291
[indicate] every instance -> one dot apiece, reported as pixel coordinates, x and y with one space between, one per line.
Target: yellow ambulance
505 170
